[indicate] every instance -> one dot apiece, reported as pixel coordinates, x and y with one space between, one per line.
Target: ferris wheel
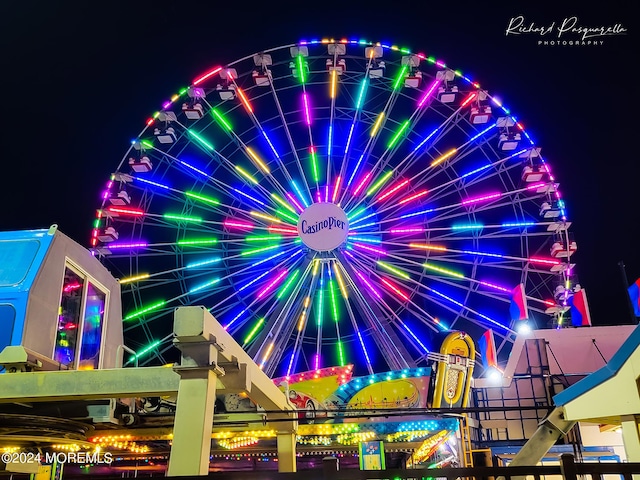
335 202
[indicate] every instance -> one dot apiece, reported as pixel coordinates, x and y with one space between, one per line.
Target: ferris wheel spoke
357 109
292 145
248 152
374 134
405 302
277 323
402 297
393 351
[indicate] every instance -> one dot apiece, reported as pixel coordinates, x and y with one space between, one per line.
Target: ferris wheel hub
323 226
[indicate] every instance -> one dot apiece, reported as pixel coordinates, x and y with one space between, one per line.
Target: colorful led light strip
203 263
334 83
407 230
362 183
314 163
358 238
398 134
282 203
255 251
413 335
482 198
468 100
191 167
444 271
263 238
244 100
332 293
253 331
401 76
336 189
395 289
370 249
271 285
393 270
204 285
302 74
413 197
142 311
290 231
202 198
369 286
221 120
294 201
254 156
320 307
246 195
287 285
442 158
181 218
150 182
191 242
469 226
207 75
391 191
144 351
127 245
428 93
377 124
246 175
201 140
135 278
300 195
481 315
341 354
238 224
136 212
376 186
286 216
436 248
341 284
359 101
307 114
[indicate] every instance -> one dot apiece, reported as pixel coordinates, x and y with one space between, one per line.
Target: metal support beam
549 431
191 444
206 347
211 360
631 438
87 384
286 452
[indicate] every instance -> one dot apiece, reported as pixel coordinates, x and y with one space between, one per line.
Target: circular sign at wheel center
323 226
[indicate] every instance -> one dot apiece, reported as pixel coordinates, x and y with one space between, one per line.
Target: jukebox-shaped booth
58 304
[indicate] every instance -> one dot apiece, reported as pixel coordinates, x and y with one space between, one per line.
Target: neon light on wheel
331 209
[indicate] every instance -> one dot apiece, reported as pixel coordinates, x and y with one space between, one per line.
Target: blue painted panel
22 254
7 324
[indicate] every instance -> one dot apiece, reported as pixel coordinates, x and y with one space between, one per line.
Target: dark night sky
80 78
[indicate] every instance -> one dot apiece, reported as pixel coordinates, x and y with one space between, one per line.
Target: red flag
580 316
487 349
